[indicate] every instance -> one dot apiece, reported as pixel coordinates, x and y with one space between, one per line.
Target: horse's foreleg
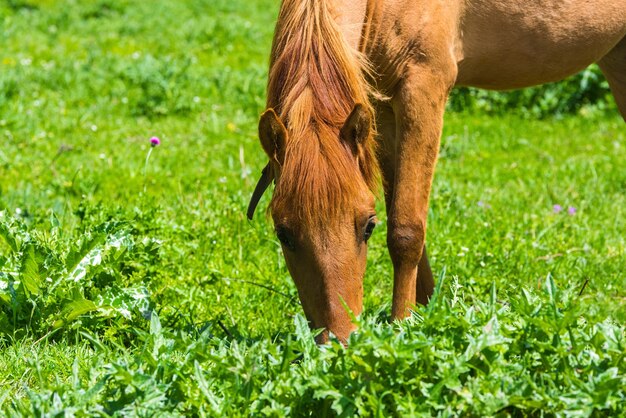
387 156
418 107
425 282
386 131
613 65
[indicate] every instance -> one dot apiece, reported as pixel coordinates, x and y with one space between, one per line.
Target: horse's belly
518 43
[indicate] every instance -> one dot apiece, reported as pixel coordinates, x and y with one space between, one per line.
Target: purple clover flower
571 211
557 208
155 142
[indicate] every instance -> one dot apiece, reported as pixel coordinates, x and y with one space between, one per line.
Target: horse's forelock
319 179
315 80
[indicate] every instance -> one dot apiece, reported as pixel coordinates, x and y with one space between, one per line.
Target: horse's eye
285 238
369 228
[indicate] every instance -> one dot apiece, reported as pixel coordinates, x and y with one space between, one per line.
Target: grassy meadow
131 283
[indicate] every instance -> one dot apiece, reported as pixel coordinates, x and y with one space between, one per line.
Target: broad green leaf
73 310
30 272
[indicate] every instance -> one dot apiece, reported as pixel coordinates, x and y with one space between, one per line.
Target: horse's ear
273 136
357 127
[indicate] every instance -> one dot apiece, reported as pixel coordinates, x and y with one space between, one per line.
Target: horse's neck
350 17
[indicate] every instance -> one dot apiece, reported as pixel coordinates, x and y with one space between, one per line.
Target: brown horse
358 87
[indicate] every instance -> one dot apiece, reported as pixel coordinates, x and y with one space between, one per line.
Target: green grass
142 290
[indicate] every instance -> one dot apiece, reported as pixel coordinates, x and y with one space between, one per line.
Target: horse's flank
315 80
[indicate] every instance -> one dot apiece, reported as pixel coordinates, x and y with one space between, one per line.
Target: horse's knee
406 242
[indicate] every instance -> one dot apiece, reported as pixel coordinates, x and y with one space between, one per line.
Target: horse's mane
315 80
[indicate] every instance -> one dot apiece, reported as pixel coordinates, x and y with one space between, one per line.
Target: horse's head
323 211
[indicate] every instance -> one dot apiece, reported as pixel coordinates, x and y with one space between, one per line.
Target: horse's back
519 43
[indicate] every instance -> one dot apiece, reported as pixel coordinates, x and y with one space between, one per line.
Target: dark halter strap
261 186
